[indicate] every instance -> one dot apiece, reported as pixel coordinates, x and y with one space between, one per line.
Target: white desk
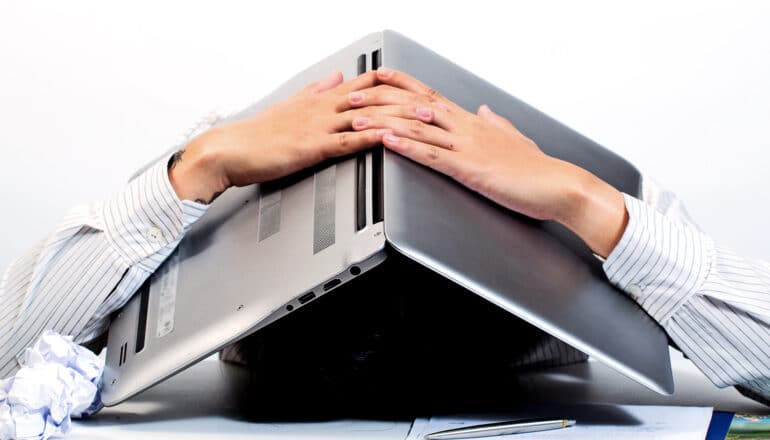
199 403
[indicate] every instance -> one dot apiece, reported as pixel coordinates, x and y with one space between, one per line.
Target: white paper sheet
614 422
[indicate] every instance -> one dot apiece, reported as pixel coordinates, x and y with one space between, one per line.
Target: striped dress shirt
714 304
94 261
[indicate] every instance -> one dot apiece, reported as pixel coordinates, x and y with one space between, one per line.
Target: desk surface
201 401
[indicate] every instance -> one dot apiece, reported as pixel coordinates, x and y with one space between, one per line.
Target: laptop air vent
269 211
376 59
324 210
377 185
141 327
361 68
361 168
377 164
123 351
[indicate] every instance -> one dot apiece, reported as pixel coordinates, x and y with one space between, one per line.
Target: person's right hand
486 153
312 126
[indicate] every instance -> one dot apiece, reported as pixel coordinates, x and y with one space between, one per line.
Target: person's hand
312 126
485 152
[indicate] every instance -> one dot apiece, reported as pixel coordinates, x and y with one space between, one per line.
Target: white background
89 91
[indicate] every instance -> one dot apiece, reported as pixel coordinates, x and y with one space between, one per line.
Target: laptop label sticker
166 285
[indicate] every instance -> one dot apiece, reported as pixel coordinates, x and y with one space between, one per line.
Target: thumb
331 81
488 115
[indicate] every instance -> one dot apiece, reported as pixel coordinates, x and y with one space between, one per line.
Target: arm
101 253
714 304
96 258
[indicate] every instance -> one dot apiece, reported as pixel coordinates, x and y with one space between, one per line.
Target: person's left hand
301 131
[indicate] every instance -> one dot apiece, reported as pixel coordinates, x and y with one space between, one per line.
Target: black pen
500 428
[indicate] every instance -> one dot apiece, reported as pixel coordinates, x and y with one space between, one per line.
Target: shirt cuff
658 261
147 215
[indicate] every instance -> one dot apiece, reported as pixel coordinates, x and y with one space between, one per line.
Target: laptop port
361 67
304 299
332 284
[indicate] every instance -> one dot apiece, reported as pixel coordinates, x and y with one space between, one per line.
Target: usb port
332 284
306 298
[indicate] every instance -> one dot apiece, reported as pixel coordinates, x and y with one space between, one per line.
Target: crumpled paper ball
58 380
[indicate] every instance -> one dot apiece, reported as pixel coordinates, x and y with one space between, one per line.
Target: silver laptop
264 251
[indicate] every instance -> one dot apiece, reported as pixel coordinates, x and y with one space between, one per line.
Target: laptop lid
539 271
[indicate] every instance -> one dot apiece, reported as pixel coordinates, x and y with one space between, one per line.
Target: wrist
594 210
195 172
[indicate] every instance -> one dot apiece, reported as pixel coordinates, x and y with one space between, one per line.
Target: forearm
591 208
713 303
196 171
91 264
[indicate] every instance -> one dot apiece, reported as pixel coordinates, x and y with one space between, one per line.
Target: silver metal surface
538 271
252 256
250 259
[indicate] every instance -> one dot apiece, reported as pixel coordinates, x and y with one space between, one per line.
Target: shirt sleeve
94 261
713 303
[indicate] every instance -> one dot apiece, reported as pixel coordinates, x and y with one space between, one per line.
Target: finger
348 142
407 82
488 115
345 119
330 82
441 160
388 95
409 128
362 81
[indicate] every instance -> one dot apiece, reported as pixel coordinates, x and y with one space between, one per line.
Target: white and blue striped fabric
93 262
714 304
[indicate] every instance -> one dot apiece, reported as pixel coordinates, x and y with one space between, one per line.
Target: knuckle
433 153
416 127
343 140
432 93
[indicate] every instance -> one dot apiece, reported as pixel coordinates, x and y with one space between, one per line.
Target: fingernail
355 97
360 122
390 138
384 72
383 131
424 112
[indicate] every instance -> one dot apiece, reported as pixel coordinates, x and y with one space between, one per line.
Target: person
714 304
